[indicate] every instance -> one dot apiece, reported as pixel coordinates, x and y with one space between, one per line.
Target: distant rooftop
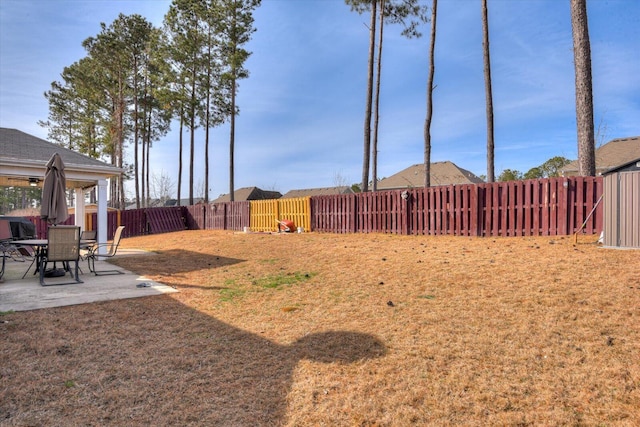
442 173
610 155
248 193
308 192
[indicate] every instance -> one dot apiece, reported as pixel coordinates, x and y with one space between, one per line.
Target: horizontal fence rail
542 207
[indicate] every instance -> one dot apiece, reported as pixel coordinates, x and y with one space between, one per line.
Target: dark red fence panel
583 205
134 221
164 220
195 216
238 215
334 214
216 215
542 207
381 212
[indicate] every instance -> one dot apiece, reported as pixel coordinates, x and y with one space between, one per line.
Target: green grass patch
230 294
283 279
4 313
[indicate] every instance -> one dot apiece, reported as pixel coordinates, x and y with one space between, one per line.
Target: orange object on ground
286 225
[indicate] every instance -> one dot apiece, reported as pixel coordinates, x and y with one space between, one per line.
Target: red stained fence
557 206
544 207
218 216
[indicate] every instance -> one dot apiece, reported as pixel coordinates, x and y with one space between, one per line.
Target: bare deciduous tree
162 187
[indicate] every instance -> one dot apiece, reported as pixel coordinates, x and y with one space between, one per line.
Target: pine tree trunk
427 122
488 93
180 154
367 117
376 120
232 140
136 133
584 89
192 130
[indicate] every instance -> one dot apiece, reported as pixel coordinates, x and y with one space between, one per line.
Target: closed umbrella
54 199
53 208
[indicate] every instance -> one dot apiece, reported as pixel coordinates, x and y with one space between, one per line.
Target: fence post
405 196
474 208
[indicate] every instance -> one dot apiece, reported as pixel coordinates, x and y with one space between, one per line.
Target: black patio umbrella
53 207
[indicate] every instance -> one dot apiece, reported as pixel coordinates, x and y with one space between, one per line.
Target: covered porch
23 160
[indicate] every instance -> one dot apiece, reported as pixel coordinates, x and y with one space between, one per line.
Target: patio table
39 247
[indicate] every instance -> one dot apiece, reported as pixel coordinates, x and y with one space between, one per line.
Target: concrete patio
17 294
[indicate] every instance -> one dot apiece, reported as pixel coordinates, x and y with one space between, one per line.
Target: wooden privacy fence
548 207
266 213
557 206
217 216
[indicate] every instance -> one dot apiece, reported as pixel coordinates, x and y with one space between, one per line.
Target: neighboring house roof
248 193
610 155
442 173
328 191
23 156
183 202
153 203
632 166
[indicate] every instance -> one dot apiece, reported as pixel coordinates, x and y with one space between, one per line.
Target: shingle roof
19 145
442 173
23 156
614 153
248 193
328 191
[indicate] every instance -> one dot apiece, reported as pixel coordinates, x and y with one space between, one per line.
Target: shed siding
610 210
630 209
622 209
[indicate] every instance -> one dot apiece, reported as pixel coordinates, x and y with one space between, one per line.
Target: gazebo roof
24 157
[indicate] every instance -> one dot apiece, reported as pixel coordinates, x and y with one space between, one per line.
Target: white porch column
101 235
80 212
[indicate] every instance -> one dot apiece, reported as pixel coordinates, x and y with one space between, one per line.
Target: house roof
183 202
328 191
23 156
442 173
631 166
248 193
610 155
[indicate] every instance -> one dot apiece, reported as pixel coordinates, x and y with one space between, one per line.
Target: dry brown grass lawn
352 330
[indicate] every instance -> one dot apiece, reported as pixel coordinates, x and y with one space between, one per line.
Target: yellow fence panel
265 214
297 210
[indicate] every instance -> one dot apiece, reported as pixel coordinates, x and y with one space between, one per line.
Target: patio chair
88 235
112 248
9 249
63 246
5 243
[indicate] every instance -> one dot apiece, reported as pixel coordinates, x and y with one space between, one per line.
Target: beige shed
622 206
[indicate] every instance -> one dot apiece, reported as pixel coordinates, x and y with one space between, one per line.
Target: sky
302 108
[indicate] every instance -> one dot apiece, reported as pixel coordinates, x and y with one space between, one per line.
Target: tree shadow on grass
154 361
174 261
